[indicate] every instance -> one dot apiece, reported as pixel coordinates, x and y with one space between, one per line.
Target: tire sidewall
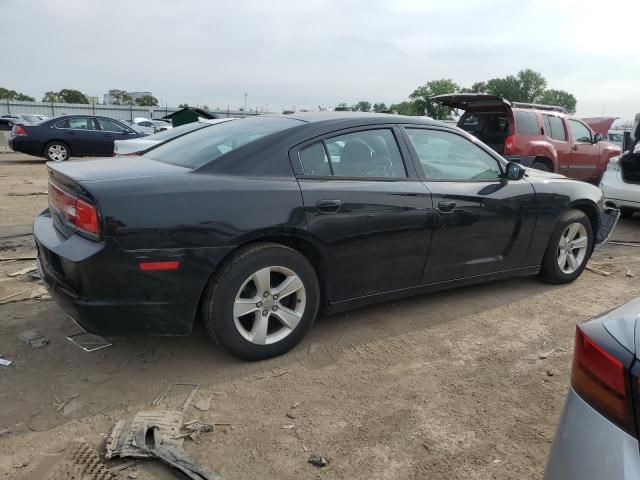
62 144
220 321
543 167
551 269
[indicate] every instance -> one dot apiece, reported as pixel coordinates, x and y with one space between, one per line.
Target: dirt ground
467 383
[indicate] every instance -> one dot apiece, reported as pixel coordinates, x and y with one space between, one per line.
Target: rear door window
314 160
79 123
554 126
527 123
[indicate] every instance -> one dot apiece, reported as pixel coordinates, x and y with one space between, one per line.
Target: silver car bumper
587 446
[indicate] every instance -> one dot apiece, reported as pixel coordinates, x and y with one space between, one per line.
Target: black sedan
254 225
59 138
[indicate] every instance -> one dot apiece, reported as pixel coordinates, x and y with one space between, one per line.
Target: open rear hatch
474 101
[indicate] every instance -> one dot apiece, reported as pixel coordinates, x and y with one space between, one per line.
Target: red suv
538 136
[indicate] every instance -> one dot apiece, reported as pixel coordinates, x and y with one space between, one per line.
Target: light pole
245 102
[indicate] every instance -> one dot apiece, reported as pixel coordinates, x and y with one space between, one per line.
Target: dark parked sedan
59 138
252 225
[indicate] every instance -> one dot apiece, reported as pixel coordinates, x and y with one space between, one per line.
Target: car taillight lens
602 378
19 131
509 145
76 211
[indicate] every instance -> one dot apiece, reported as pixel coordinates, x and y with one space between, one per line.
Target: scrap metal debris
155 434
88 342
318 461
203 404
4 362
33 338
196 428
22 271
169 388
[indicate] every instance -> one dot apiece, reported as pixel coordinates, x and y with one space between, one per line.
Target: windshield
207 144
177 131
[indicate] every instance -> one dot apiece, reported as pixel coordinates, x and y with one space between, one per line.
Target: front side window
81 123
527 123
368 153
205 145
447 156
111 126
554 127
579 131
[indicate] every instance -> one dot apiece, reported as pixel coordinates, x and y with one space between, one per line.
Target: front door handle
446 206
574 148
328 206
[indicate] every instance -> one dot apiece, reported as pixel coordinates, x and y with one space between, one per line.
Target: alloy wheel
57 153
572 248
269 305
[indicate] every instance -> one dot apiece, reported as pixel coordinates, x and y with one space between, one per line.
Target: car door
585 153
80 133
483 222
369 213
555 130
110 131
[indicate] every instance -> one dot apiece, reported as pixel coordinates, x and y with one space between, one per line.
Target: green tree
147 101
205 108
404 108
72 96
421 98
51 97
527 86
120 97
21 97
6 94
362 106
183 105
379 107
560 98
341 107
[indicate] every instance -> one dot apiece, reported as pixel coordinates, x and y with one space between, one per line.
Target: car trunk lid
114 169
621 323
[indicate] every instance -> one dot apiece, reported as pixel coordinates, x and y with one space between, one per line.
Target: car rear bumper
587 446
104 290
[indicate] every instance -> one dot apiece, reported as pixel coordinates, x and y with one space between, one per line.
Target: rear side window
554 127
207 144
364 154
77 124
527 123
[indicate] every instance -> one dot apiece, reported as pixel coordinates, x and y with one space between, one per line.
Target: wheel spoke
573 263
572 232
259 330
290 285
562 260
289 318
579 243
262 281
243 306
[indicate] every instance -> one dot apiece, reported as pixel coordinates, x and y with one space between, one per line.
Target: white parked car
620 182
146 125
136 145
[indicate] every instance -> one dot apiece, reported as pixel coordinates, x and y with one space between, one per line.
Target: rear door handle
575 147
328 206
446 206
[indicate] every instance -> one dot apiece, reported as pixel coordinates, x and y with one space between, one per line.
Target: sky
310 53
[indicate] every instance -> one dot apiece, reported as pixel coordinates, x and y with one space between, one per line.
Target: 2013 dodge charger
253 225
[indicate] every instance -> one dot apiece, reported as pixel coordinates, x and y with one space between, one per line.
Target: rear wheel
538 165
569 248
626 212
263 301
56 151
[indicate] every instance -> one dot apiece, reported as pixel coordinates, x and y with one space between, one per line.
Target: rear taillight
78 212
509 145
600 375
18 131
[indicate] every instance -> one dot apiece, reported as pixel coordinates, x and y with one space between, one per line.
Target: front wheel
569 248
263 301
540 166
56 152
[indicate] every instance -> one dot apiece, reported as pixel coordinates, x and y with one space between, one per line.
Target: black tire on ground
550 270
626 212
538 165
63 147
220 294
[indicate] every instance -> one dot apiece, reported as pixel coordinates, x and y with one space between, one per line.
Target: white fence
125 112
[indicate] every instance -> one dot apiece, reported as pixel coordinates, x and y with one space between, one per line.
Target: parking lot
466 383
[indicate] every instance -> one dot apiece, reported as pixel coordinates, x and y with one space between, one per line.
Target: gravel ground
441 386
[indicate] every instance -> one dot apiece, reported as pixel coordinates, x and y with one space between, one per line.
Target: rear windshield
207 144
527 123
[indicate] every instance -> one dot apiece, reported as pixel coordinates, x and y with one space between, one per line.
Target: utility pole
245 102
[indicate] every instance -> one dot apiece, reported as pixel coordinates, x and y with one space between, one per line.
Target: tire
551 270
626 212
235 289
57 151
538 165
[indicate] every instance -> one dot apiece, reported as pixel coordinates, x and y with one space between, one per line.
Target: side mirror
597 137
515 171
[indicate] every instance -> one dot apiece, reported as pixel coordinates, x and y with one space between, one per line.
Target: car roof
355 118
